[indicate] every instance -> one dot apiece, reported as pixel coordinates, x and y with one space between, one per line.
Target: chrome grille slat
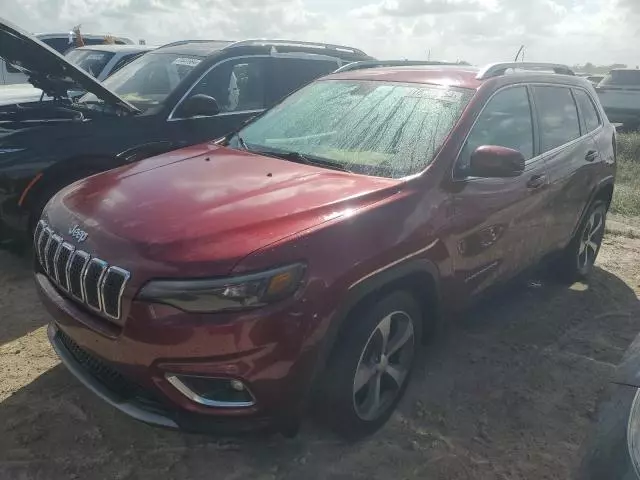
87 279
79 264
92 278
51 253
115 279
62 264
42 245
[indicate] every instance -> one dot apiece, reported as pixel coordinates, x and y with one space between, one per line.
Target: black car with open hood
183 93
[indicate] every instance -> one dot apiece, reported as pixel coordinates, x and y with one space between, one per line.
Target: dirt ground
507 392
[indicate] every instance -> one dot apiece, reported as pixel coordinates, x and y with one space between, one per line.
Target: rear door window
293 73
558 116
588 110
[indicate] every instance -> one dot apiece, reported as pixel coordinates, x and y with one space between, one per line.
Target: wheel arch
60 175
420 277
604 192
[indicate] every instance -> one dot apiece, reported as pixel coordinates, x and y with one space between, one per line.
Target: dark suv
310 253
180 94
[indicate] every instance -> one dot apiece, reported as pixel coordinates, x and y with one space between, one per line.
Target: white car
619 94
61 43
99 61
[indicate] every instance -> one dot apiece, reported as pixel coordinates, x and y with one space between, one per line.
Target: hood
47 69
199 210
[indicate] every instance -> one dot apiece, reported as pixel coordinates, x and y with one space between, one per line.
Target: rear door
498 222
570 154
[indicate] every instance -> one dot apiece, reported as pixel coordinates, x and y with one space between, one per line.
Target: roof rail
295 43
184 42
497 69
387 63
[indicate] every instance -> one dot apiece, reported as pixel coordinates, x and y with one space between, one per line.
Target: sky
478 31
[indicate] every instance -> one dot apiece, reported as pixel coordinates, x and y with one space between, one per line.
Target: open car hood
47 69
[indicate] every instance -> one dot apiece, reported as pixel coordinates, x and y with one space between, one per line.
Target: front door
497 224
239 86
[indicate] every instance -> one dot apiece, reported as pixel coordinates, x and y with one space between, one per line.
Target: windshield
375 128
91 61
149 79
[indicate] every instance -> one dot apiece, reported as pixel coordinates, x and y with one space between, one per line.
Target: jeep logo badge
78 234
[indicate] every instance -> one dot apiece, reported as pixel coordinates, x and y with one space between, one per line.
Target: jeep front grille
88 279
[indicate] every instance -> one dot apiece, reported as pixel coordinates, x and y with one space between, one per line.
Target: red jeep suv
308 255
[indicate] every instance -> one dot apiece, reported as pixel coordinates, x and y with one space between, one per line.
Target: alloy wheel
590 240
384 365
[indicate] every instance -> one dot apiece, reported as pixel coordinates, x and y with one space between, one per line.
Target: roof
85 35
199 48
118 48
205 48
458 75
452 75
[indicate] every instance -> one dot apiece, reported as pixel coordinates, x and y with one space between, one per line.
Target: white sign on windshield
189 62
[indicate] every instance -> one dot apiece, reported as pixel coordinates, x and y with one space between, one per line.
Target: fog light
213 392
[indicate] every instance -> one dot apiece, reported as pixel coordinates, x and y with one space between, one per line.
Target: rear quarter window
588 110
558 116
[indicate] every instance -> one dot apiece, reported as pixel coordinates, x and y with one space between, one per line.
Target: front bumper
130 369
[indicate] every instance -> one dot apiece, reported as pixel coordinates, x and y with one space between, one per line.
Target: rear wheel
579 257
370 370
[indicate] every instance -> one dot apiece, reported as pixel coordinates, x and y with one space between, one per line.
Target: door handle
537 181
591 156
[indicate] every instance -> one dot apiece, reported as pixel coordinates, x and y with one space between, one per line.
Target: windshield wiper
306 159
242 143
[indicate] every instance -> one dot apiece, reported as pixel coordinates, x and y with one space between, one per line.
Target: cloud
413 8
479 31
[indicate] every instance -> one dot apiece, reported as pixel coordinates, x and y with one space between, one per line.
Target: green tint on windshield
374 128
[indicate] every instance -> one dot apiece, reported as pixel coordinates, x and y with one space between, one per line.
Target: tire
579 257
349 409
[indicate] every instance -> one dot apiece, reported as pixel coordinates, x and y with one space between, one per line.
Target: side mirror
493 161
200 105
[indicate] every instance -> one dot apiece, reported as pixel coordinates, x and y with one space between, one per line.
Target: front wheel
370 370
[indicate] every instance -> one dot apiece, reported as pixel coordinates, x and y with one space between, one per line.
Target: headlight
233 293
633 433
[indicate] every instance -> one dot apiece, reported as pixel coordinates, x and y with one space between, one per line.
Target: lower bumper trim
126 407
